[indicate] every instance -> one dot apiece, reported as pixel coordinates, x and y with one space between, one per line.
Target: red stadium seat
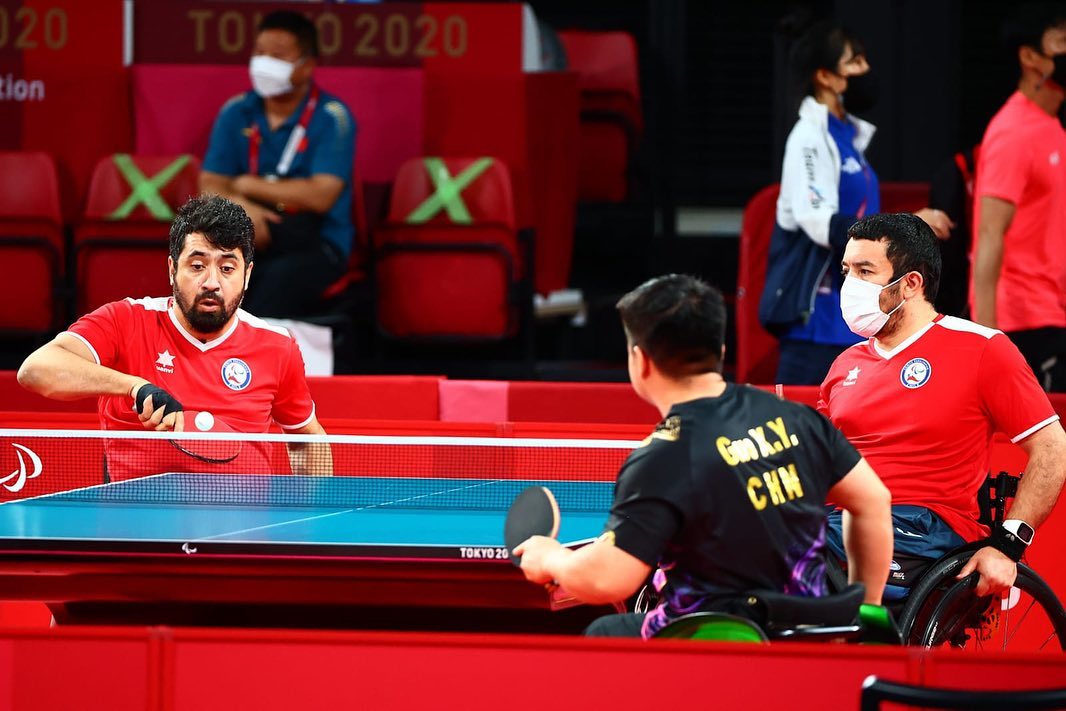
756 349
447 259
31 243
120 244
611 117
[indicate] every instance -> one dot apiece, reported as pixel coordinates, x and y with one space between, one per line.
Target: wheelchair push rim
944 611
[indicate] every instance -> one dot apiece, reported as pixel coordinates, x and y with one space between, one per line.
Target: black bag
951 190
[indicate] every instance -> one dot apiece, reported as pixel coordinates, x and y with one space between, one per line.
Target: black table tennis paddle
534 512
211 451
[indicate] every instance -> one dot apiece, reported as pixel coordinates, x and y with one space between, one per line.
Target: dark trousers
1044 350
805 362
623 624
289 284
920 537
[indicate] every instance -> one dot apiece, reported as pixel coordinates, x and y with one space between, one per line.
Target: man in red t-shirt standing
1018 283
922 397
150 360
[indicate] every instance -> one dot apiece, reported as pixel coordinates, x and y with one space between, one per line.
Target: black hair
295 24
678 321
1027 26
224 224
815 44
911 246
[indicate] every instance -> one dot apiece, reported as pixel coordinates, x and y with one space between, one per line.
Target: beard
207 321
895 321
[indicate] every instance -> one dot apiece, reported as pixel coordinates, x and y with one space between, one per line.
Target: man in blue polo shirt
284 152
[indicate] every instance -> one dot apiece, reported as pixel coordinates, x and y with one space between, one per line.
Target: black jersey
728 495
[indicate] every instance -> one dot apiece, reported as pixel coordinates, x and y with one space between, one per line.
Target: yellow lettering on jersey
760 439
741 451
773 485
777 426
757 500
750 451
791 480
784 438
726 450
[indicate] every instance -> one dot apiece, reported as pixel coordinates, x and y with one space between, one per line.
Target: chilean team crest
915 373
236 374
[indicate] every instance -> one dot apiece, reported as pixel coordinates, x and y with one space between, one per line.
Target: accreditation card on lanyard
294 145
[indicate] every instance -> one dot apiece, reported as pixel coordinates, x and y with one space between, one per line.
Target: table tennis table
162 548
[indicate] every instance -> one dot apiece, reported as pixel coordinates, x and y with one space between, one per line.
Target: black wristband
1007 543
160 398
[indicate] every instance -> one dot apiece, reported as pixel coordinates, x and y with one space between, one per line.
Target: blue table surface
342 511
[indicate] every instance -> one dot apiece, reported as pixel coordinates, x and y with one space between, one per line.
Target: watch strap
1007 543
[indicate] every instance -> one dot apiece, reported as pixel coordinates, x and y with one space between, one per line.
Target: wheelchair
942 611
765 616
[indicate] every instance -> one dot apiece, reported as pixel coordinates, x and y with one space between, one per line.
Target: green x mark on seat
145 190
449 191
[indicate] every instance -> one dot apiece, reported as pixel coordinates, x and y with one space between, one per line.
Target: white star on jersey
165 359
853 375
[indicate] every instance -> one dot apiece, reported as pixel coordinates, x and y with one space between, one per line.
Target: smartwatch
1021 529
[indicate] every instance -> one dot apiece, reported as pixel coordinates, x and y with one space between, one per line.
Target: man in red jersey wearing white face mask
922 397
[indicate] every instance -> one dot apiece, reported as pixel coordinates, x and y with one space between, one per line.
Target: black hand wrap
1007 543
160 398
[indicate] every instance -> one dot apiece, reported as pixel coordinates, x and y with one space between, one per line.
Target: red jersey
1023 161
249 376
924 413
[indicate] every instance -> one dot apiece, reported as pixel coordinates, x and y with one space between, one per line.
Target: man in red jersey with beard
922 397
150 360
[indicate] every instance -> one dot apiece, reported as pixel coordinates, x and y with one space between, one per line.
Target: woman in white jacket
826 185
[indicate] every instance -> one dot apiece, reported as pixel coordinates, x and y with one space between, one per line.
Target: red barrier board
162 668
63 88
452 36
33 466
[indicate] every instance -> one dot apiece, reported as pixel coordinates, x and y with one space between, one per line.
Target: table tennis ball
204 421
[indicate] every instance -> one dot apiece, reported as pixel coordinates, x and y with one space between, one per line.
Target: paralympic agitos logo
21 474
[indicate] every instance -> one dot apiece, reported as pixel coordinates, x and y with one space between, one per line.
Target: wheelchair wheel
943 611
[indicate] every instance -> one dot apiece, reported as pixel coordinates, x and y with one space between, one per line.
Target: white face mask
271 76
860 304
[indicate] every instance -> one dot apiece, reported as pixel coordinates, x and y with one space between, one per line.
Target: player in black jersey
728 494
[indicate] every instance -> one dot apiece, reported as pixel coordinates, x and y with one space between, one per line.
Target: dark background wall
713 76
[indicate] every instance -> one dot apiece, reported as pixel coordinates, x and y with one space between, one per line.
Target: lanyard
295 144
